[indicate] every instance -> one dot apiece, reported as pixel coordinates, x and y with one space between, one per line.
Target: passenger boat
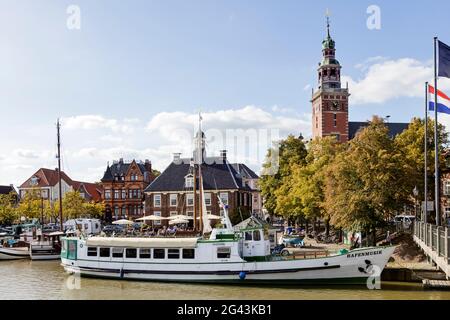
220 255
48 248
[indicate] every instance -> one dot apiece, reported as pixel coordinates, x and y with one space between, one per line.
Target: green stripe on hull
247 282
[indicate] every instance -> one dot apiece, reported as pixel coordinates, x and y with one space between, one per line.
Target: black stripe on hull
225 272
14 254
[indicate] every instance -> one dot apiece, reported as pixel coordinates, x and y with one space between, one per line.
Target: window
105 252
173 200
157 200
190 213
189 181
44 193
173 253
124 211
447 187
224 197
223 252
248 236
447 214
208 199
158 214
145 253
173 213
159 253
116 194
131 253
256 235
116 211
107 194
92 251
245 199
117 252
188 253
124 194
189 199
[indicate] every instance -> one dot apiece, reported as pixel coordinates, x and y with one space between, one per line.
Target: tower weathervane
328 14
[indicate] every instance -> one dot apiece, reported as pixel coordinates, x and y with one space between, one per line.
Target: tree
94 210
75 206
365 184
276 172
410 144
8 212
309 181
31 205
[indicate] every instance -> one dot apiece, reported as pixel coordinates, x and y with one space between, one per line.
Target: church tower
330 101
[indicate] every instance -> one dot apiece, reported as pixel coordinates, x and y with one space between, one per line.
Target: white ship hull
353 267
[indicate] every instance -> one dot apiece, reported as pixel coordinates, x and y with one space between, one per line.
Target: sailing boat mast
58 126
200 160
195 191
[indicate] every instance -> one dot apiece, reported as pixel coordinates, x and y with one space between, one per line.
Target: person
388 237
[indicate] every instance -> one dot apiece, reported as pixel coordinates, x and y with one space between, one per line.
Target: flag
444 60
443 101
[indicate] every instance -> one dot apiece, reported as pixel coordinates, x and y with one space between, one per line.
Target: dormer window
34 181
189 181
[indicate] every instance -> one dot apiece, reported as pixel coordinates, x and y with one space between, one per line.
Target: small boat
14 252
49 248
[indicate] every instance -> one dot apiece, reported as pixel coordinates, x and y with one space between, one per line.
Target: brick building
172 192
330 103
123 186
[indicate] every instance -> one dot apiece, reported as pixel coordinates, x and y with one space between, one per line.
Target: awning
142 242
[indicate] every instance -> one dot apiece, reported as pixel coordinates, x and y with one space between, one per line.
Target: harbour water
25 279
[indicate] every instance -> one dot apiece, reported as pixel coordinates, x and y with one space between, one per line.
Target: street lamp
416 194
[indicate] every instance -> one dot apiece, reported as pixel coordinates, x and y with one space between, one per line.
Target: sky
129 82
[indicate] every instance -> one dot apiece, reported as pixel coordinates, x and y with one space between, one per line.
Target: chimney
177 158
121 160
148 165
223 155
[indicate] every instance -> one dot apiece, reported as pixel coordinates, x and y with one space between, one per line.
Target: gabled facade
123 185
172 193
45 182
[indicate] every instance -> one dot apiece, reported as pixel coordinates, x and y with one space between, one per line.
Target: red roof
46 178
94 190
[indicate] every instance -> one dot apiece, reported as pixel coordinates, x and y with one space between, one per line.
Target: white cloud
27 154
385 80
93 122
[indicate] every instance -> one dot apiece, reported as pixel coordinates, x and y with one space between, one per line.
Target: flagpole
425 210
436 141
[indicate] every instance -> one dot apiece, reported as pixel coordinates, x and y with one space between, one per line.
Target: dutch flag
443 101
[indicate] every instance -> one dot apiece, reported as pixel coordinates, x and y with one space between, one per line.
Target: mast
195 202
200 160
58 126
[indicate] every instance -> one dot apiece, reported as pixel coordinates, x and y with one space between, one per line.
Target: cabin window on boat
131 253
248 236
105 252
173 253
159 253
92 251
256 235
145 253
223 252
188 253
117 252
